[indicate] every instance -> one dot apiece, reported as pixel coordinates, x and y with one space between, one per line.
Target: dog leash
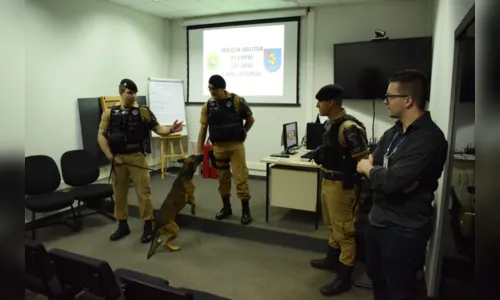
136 166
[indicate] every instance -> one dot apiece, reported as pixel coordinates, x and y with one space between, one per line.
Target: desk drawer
293 189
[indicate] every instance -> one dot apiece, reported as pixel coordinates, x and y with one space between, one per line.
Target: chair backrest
39 272
79 167
37 260
135 289
92 275
41 175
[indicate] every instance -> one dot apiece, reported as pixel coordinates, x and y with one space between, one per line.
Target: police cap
129 84
330 92
217 82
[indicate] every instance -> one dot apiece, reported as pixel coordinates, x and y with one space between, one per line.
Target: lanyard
389 152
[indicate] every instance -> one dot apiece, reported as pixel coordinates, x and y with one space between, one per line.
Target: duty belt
131 148
333 176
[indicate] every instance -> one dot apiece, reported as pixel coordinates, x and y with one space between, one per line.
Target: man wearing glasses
403 173
223 117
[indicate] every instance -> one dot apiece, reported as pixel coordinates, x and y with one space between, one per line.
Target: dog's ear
180 160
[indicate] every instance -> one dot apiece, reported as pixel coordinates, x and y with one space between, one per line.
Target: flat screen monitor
363 68
290 137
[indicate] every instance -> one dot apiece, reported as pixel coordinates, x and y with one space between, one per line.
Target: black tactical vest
126 128
338 158
224 122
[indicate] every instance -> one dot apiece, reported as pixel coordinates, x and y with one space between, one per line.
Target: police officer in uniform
223 115
344 143
124 138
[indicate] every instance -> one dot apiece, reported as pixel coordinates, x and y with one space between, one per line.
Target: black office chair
80 170
41 181
125 275
138 286
134 287
39 273
94 276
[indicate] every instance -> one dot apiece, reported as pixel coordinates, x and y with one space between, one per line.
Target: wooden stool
165 155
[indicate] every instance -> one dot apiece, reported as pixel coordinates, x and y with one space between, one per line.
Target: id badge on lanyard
389 153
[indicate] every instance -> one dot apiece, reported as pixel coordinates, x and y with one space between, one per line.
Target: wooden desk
293 183
464 157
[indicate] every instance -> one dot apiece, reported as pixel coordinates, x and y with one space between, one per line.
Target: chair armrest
124 275
200 295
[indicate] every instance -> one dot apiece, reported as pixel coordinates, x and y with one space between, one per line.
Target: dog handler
223 115
124 139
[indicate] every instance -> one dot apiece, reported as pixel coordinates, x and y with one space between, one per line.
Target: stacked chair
62 275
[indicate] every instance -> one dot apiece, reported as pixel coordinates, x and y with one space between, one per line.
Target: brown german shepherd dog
181 193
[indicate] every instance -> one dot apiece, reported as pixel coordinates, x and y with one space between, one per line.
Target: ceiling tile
130 2
186 4
154 8
263 4
317 2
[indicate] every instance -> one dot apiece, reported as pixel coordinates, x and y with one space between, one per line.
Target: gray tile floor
230 267
209 203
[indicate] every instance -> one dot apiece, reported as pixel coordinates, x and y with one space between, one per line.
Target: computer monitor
290 137
314 135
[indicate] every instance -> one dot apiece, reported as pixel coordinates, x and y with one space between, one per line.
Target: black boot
330 262
246 218
226 209
341 283
122 231
147 233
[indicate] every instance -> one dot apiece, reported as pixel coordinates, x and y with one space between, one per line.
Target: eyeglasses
389 97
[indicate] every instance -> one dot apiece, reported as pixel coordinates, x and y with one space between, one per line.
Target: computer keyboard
308 155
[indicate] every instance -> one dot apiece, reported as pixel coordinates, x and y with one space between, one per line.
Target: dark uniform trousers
234 153
394 255
142 183
339 218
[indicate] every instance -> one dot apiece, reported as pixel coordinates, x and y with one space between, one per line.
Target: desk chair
165 142
135 288
94 276
41 181
80 170
40 276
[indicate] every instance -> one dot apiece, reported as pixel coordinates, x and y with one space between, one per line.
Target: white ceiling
177 9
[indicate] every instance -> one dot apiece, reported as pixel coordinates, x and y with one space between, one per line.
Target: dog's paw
193 210
172 247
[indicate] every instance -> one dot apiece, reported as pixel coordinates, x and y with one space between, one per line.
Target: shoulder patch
242 100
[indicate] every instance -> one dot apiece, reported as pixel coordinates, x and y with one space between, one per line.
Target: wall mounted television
363 68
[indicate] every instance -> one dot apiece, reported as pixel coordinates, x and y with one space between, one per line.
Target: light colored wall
463 127
320 30
80 49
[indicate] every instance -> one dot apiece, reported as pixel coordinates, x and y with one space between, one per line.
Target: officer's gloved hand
319 154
